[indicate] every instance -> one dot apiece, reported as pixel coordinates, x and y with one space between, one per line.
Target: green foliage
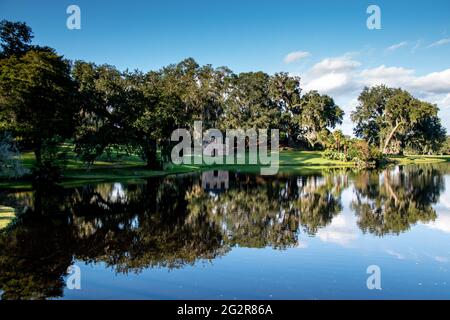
285 92
365 155
315 115
445 147
392 119
53 160
338 156
428 136
249 104
111 102
15 38
140 111
342 148
37 100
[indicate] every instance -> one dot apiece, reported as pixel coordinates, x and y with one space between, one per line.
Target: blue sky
339 54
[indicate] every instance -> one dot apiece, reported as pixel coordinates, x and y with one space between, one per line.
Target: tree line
46 100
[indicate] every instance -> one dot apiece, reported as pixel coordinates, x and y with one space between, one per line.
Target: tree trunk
389 188
291 141
151 158
389 138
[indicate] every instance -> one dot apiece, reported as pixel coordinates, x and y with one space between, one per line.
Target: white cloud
302 245
295 56
436 82
395 254
432 83
442 221
336 76
335 65
343 78
444 101
441 259
341 230
390 76
329 83
332 75
439 43
397 46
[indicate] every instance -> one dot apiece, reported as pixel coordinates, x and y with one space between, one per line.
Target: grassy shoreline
125 167
7 214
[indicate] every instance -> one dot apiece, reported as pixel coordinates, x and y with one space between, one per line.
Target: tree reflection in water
176 221
391 201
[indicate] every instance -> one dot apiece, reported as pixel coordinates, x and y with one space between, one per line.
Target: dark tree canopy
249 104
37 99
110 102
15 38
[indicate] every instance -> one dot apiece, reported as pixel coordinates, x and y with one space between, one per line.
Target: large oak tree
393 119
37 100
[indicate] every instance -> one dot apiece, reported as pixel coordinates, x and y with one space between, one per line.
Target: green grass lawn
120 166
419 159
6 215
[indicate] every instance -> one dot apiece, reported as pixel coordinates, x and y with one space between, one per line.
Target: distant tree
393 118
37 98
110 102
15 38
428 136
175 97
163 112
285 91
315 115
213 86
339 140
368 116
445 147
249 104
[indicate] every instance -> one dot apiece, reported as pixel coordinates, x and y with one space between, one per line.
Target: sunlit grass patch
6 216
418 159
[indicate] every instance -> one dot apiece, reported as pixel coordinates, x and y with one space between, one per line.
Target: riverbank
131 167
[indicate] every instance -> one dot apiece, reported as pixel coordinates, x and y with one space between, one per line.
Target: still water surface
227 235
